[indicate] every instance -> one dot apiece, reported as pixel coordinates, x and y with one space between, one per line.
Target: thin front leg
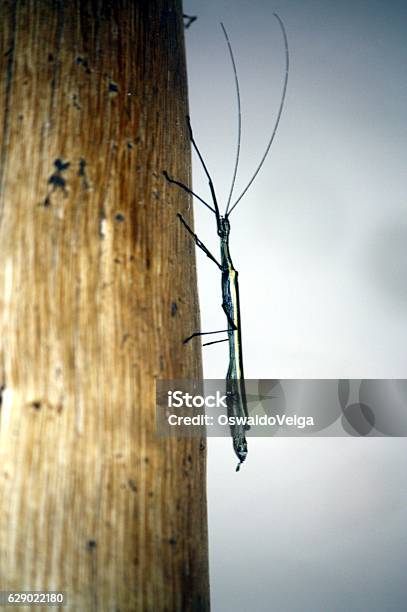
188 190
211 187
198 242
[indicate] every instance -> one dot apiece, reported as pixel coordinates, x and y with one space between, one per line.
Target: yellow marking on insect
233 295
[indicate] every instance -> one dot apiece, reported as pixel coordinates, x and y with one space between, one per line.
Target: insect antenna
280 110
239 115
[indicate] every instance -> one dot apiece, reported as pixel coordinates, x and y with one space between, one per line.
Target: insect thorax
223 227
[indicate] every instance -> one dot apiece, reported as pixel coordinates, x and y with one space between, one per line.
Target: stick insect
235 383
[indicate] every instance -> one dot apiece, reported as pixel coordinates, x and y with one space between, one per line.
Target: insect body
235 385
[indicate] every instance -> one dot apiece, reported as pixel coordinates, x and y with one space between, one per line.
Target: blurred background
320 242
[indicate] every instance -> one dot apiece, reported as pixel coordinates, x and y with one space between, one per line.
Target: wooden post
97 290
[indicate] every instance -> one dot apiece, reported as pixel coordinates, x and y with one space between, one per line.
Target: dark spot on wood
60 165
20 117
91 544
2 387
189 458
124 339
82 173
151 494
84 62
129 145
119 217
132 485
75 102
113 87
57 181
146 460
174 309
202 445
172 541
117 260
82 166
50 57
36 405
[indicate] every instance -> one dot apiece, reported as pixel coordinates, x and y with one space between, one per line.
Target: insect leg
219 331
212 188
187 189
198 242
216 342
190 18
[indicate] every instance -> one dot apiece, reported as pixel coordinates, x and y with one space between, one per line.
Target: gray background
320 243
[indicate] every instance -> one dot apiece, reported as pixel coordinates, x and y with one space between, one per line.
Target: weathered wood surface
97 290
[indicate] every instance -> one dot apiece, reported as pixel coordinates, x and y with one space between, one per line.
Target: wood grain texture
97 290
